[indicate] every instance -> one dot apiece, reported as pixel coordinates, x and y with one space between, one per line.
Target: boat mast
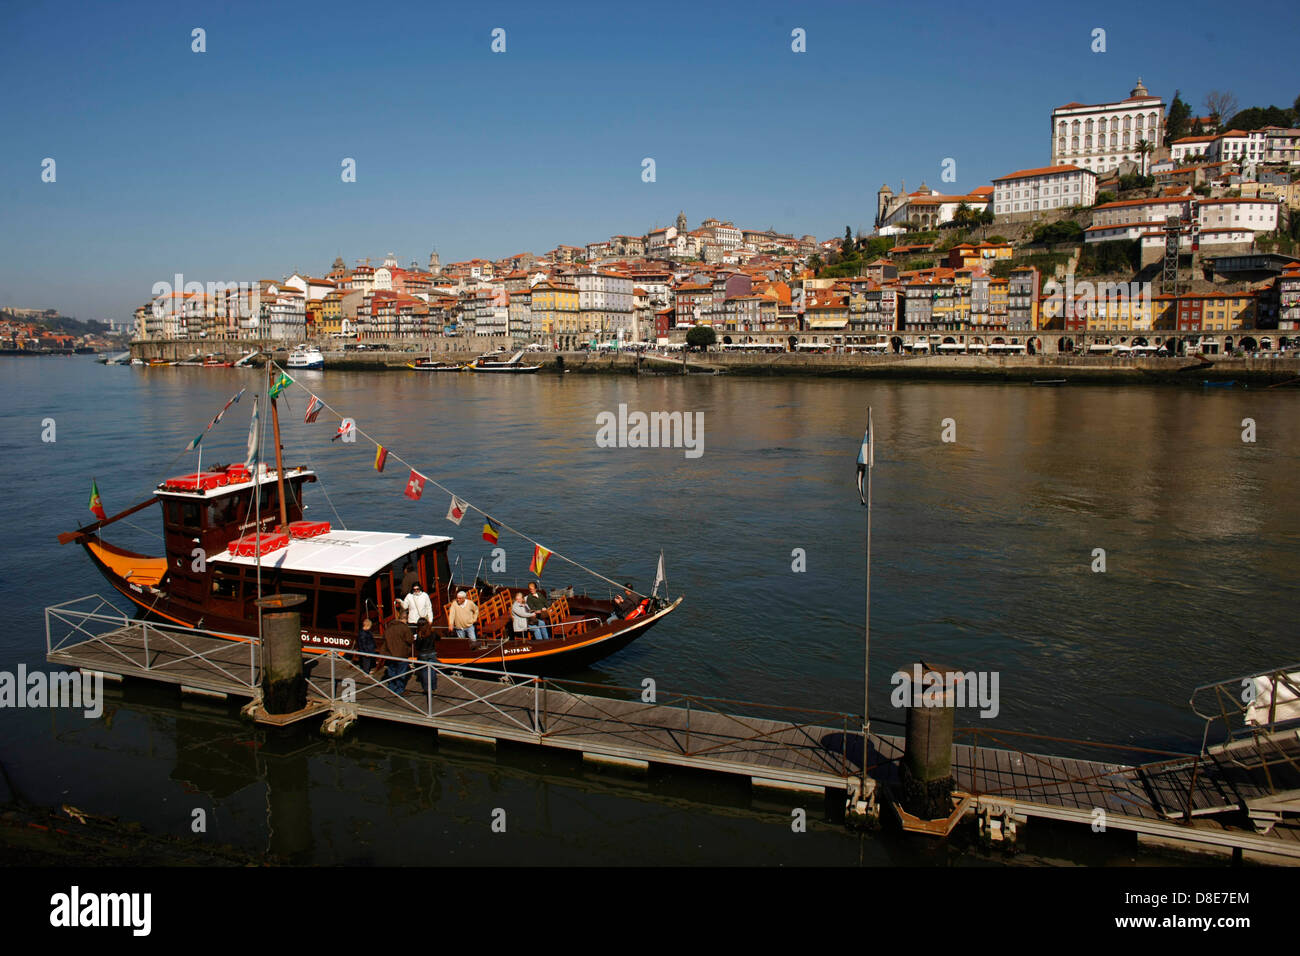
279 462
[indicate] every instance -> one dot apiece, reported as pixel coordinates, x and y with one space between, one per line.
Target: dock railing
91 619
1251 731
521 703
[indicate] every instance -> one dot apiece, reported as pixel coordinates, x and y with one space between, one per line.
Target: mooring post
284 689
926 769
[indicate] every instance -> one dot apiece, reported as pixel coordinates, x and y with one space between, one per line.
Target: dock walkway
1185 799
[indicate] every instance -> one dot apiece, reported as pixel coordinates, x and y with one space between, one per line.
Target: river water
982 557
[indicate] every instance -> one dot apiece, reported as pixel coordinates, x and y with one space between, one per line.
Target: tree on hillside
1258 117
1197 128
815 263
1221 105
1144 149
847 247
1178 118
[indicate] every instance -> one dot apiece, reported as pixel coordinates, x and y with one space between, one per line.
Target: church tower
884 199
681 222
435 265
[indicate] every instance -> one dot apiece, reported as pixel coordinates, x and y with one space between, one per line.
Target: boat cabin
345 576
203 512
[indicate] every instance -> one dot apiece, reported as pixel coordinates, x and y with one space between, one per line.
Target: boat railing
1248 707
91 619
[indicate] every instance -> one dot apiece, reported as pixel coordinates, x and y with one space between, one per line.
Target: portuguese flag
96 506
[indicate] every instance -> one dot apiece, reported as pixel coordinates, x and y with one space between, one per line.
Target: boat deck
772 746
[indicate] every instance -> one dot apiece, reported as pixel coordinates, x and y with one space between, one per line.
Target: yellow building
330 318
555 311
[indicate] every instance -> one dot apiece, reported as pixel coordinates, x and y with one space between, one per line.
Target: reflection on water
981 559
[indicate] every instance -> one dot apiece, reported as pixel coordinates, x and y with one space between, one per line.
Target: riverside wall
1073 367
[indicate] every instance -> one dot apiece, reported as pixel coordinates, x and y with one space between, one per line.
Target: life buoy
638 611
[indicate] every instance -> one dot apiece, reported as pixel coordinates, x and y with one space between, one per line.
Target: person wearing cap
624 604
461 616
418 607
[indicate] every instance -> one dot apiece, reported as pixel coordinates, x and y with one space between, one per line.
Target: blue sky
226 165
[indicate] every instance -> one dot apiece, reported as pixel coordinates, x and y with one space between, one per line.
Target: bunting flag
254 442
281 383
345 426
224 408
540 556
491 530
381 456
457 510
415 485
96 506
313 409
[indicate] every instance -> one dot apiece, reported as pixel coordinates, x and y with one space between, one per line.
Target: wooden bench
563 624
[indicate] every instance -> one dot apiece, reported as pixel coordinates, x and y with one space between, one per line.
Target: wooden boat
492 363
1229 384
216 361
429 365
232 514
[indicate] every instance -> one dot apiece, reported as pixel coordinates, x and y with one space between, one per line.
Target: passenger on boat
418 607
624 604
410 579
519 615
397 641
536 601
462 616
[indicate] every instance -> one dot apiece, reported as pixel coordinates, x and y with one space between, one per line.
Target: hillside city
1198 212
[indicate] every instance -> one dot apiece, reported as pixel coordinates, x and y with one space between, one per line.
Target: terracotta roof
1043 171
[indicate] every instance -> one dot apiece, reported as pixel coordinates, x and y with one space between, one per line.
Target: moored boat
248 526
429 365
493 363
306 357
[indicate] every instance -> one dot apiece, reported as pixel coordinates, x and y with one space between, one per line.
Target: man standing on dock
397 641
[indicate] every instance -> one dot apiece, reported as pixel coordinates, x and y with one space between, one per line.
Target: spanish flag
491 530
540 555
96 506
381 456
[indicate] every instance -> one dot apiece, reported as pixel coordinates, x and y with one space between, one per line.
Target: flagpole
870 451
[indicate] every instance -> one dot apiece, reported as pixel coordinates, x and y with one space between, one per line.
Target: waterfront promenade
1261 369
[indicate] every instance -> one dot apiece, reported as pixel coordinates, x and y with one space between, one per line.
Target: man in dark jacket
398 639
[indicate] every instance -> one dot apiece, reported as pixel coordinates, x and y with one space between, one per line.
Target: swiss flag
414 485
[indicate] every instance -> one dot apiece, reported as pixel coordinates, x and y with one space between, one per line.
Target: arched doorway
896 344
1248 344
793 342
1064 344
726 340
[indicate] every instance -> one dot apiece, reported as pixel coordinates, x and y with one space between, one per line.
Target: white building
1101 136
927 207
1026 193
604 300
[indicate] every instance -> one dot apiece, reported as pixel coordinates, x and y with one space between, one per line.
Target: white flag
866 458
660 576
457 510
254 442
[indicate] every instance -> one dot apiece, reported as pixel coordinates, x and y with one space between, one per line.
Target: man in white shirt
418 607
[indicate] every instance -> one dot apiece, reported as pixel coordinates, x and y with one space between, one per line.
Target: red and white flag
457 510
415 485
313 409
